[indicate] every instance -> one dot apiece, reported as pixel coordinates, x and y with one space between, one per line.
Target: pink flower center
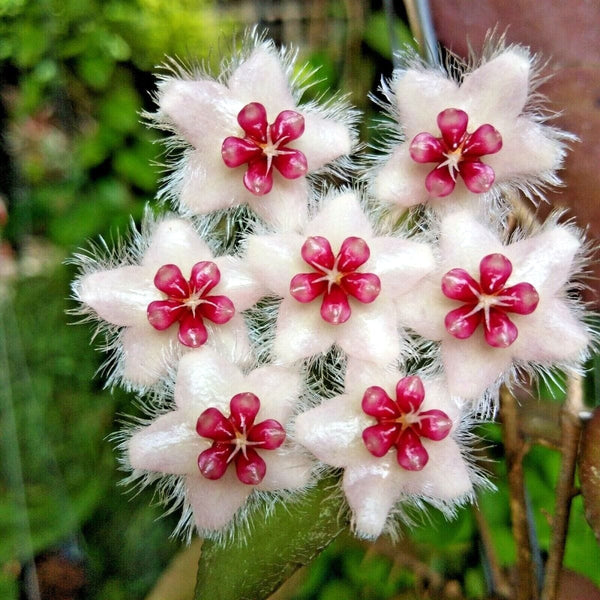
265 146
335 277
456 152
487 300
189 302
236 439
402 423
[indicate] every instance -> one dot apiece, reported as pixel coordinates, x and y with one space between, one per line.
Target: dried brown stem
515 448
571 432
500 582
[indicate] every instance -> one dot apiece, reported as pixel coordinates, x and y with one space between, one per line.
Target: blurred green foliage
58 473
75 78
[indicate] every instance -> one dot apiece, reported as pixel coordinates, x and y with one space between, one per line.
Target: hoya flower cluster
275 328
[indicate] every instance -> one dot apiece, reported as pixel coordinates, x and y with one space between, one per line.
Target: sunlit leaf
377 34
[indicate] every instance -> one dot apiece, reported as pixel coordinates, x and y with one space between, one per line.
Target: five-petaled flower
206 388
401 423
225 122
237 438
335 277
132 297
456 152
550 330
358 312
188 302
375 481
265 146
497 100
488 300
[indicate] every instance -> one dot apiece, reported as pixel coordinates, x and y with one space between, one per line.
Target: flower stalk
515 449
571 427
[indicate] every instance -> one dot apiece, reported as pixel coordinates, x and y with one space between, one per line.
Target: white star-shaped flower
462 139
251 142
339 282
173 443
494 306
199 300
374 480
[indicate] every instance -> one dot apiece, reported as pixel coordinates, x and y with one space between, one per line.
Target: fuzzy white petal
231 339
537 152
552 333
499 86
424 308
203 111
205 379
544 260
237 283
146 353
261 78
332 431
215 503
168 445
371 332
445 475
422 94
464 241
175 241
371 492
340 217
323 140
362 374
278 390
301 331
119 296
471 365
285 471
275 259
206 184
401 180
399 263
285 206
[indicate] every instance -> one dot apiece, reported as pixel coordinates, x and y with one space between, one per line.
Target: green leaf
119 109
133 163
96 71
32 42
475 583
290 536
377 34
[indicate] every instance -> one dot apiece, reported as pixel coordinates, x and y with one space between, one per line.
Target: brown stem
514 448
571 432
501 584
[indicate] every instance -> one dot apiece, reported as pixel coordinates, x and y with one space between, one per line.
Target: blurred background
75 163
